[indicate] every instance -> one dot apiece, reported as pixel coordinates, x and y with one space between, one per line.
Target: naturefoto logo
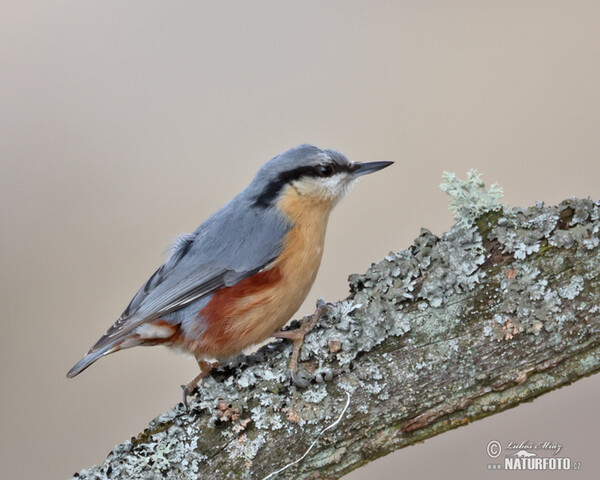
529 456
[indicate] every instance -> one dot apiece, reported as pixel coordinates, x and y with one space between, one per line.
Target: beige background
125 123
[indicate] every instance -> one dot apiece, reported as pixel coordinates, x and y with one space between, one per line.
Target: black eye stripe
315 171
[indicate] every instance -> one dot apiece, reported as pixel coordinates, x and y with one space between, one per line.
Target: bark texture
500 309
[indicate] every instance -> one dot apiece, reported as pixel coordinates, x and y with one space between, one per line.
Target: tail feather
90 358
153 334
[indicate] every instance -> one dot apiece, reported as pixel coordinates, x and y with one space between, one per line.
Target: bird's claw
299 379
297 336
187 392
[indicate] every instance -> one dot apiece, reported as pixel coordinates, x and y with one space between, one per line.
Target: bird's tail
90 358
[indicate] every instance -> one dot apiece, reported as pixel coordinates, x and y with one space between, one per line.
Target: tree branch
500 309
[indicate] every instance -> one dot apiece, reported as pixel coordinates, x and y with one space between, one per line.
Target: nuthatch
244 272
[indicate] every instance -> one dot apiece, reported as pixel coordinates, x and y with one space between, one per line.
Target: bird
242 274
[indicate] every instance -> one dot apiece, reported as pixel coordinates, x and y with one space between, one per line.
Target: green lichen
470 199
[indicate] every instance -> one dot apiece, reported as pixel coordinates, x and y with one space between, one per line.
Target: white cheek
331 188
347 186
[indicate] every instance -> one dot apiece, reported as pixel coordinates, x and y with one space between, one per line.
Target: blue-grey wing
236 242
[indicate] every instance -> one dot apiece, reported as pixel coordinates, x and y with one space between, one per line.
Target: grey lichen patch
432 270
573 288
455 262
165 453
246 448
470 199
522 230
536 293
316 394
345 323
527 302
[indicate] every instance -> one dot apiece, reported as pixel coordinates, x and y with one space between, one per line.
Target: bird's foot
188 389
297 336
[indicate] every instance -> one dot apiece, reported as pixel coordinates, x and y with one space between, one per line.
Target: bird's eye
325 170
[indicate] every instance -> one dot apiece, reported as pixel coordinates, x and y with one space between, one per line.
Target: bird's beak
370 167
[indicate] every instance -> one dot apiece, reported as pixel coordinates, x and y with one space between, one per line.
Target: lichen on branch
469 198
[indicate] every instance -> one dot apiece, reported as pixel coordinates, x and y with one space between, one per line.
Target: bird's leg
297 336
205 369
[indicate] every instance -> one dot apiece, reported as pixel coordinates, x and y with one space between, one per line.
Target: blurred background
123 124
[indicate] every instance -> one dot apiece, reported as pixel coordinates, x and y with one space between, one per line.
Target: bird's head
314 174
